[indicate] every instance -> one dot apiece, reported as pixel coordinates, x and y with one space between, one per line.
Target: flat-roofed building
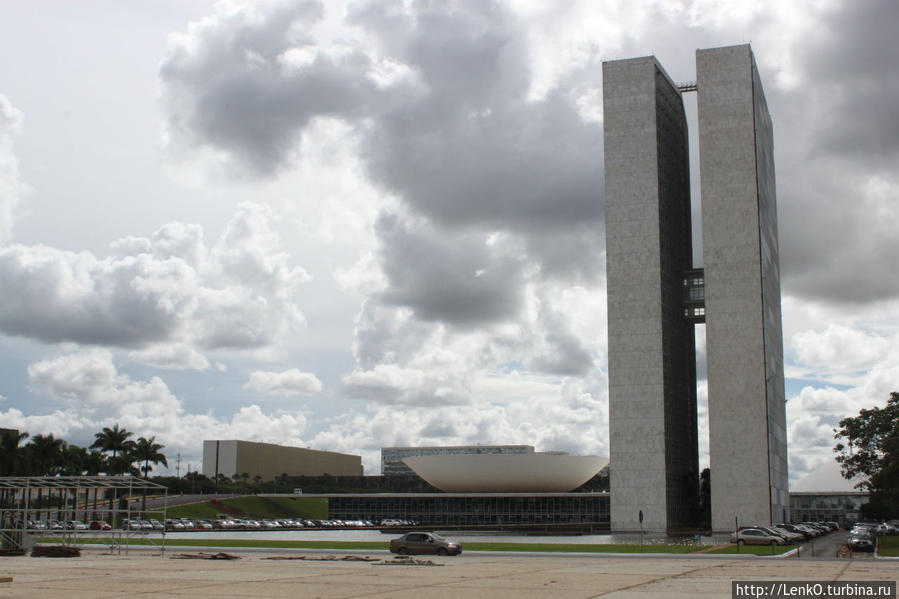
268 460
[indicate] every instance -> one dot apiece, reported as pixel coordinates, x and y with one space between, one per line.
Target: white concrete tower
744 339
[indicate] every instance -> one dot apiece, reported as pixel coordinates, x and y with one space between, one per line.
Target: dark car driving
419 543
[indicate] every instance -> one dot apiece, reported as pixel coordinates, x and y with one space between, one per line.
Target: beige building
267 460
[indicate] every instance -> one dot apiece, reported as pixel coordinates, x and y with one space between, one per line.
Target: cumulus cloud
171 356
850 361
453 132
571 417
246 80
459 279
94 394
566 354
12 189
289 383
839 346
852 62
392 384
836 136
167 296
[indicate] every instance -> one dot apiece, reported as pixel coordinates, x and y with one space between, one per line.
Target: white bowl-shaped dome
506 473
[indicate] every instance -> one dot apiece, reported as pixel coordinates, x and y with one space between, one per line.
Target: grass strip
888 546
251 506
383 545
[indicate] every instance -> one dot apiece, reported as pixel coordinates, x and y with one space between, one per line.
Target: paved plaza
470 576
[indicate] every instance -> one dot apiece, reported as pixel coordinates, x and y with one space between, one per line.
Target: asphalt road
830 545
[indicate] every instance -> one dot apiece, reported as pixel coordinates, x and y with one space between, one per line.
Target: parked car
756 536
131 525
789 535
172 524
819 527
100 525
805 534
415 543
861 541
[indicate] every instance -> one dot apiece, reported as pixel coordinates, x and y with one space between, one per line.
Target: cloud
94 394
395 385
566 353
458 279
571 416
168 296
852 64
836 138
246 81
455 136
288 383
841 347
12 189
171 356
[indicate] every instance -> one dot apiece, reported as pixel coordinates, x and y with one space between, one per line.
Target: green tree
13 459
147 451
46 454
115 440
94 464
74 460
13 455
871 450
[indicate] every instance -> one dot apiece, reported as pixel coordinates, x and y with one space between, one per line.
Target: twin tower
656 296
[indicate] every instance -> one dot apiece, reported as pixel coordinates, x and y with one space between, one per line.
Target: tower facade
652 365
744 339
656 295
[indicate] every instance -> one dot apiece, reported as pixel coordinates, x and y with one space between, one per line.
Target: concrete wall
651 394
268 461
747 420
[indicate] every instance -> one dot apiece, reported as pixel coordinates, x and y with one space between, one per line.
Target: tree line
868 447
113 452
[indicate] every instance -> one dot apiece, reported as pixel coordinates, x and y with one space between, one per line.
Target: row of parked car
863 535
297 524
186 524
64 525
781 534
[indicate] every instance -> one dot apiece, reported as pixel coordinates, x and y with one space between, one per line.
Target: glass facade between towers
459 509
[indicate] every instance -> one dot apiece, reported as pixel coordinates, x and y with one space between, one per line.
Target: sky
349 225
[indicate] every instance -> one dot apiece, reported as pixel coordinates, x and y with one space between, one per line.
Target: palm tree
45 453
94 464
146 451
115 440
73 460
13 456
